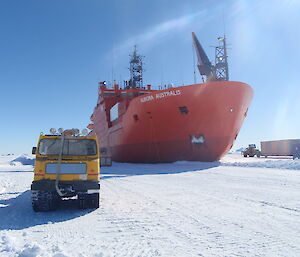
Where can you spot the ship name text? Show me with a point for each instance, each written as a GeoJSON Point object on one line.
{"type": "Point", "coordinates": [160, 95]}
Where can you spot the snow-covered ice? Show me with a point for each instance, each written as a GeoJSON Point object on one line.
{"type": "Point", "coordinates": [12, 163]}
{"type": "Point", "coordinates": [236, 207]}
{"type": "Point", "coordinates": [24, 159]}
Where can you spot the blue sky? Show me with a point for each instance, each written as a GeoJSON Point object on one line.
{"type": "Point", "coordinates": [52, 53]}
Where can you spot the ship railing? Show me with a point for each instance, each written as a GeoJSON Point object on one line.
{"type": "Point", "coordinates": [158, 87]}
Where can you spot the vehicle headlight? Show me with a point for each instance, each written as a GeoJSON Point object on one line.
{"type": "Point", "coordinates": [84, 132]}
{"type": "Point", "coordinates": [52, 131]}
{"type": "Point", "coordinates": [75, 131]}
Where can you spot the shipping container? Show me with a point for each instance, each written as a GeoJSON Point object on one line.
{"type": "Point", "coordinates": [279, 147]}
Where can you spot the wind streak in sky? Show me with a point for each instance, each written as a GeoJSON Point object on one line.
{"type": "Point", "coordinates": [157, 32]}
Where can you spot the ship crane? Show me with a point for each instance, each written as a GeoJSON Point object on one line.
{"type": "Point", "coordinates": [216, 72]}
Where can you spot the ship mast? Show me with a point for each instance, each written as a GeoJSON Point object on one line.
{"type": "Point", "coordinates": [221, 66]}
{"type": "Point", "coordinates": [136, 70]}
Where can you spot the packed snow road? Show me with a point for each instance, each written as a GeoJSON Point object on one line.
{"type": "Point", "coordinates": [179, 209]}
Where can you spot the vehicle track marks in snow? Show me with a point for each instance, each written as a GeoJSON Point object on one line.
{"type": "Point", "coordinates": [221, 211]}
{"type": "Point", "coordinates": [215, 227]}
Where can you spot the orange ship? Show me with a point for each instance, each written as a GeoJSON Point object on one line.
{"type": "Point", "coordinates": [198, 122]}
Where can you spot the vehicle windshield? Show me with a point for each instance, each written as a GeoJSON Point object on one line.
{"type": "Point", "coordinates": [80, 147]}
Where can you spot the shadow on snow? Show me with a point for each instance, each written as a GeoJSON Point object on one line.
{"type": "Point", "coordinates": [16, 213]}
{"type": "Point", "coordinates": [129, 169]}
{"type": "Point", "coordinates": [20, 171]}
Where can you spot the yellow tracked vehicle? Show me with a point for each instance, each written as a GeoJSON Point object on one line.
{"type": "Point", "coordinates": [67, 165]}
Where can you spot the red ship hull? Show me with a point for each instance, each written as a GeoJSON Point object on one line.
{"type": "Point", "coordinates": [196, 123]}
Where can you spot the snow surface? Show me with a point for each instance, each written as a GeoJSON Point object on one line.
{"type": "Point", "coordinates": [21, 163]}
{"type": "Point", "coordinates": [24, 159]}
{"type": "Point", "coordinates": [236, 207]}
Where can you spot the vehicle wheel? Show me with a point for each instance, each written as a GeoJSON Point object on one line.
{"type": "Point", "coordinates": [245, 155]}
{"type": "Point", "coordinates": [44, 200]}
{"type": "Point", "coordinates": [258, 155]}
{"type": "Point", "coordinates": [88, 201]}
{"type": "Point", "coordinates": [95, 200]}
{"type": "Point", "coordinates": [81, 201]}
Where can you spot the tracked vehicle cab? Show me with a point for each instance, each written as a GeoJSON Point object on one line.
{"type": "Point", "coordinates": [67, 165]}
